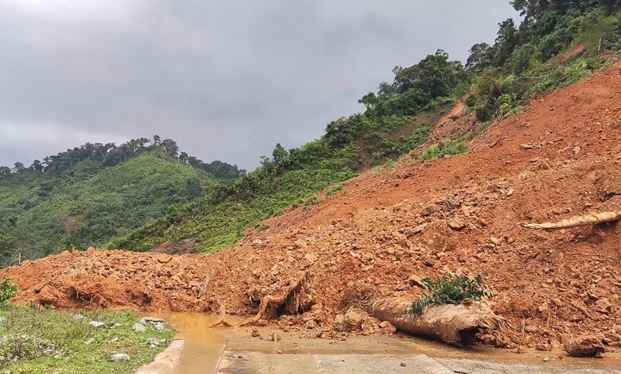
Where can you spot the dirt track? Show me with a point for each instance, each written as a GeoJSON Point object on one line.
{"type": "Point", "coordinates": [560, 157]}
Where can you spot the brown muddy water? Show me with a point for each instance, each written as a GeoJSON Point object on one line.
{"type": "Point", "coordinates": [202, 345]}
{"type": "Point", "coordinates": [234, 350]}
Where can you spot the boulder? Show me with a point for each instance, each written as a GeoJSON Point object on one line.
{"type": "Point", "coordinates": [353, 319]}
{"type": "Point", "coordinates": [585, 346]}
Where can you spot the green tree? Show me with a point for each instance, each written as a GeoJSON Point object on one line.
{"type": "Point", "coordinates": [280, 156]}
{"type": "Point", "coordinates": [478, 56]}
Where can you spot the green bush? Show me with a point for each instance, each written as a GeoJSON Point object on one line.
{"type": "Point", "coordinates": [450, 289]}
{"type": "Point", "coordinates": [8, 289]}
{"type": "Point", "coordinates": [448, 147]}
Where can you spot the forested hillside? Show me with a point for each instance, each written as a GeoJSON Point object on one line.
{"type": "Point", "coordinates": [558, 43]}
{"type": "Point", "coordinates": [86, 195]}
{"type": "Point", "coordinates": [143, 193]}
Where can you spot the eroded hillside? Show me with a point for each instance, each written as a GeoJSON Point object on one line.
{"type": "Point", "coordinates": [558, 158]}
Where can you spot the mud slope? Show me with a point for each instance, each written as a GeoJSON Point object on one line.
{"type": "Point", "coordinates": [559, 158]}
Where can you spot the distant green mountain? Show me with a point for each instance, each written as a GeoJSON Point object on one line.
{"type": "Point", "coordinates": [89, 199]}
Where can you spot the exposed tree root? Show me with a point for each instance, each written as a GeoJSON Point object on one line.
{"type": "Point", "coordinates": [221, 316]}
{"type": "Point", "coordinates": [270, 304]}
{"type": "Point", "coordinates": [588, 219]}
{"type": "Point", "coordinates": [452, 324]}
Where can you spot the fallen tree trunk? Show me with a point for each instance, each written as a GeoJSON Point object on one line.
{"type": "Point", "coordinates": [452, 324]}
{"type": "Point", "coordinates": [588, 219]}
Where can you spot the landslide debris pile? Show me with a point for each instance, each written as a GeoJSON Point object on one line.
{"type": "Point", "coordinates": [559, 158]}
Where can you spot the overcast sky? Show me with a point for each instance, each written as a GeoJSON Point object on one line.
{"type": "Point", "coordinates": [227, 79]}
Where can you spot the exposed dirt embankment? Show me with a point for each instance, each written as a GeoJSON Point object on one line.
{"type": "Point", "coordinates": [561, 157]}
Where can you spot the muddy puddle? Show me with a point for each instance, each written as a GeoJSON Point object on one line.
{"type": "Point", "coordinates": [202, 345]}
{"type": "Point", "coordinates": [235, 350]}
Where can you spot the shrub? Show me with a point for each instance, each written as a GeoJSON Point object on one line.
{"type": "Point", "coordinates": [8, 289]}
{"type": "Point", "coordinates": [450, 289]}
{"type": "Point", "coordinates": [448, 147]}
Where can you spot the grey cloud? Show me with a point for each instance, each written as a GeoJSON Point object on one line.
{"type": "Point", "coordinates": [227, 79]}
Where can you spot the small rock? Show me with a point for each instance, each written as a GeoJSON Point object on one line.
{"type": "Point", "coordinates": [2, 319]}
{"type": "Point", "coordinates": [415, 280]}
{"type": "Point", "coordinates": [255, 333]}
{"type": "Point", "coordinates": [403, 364]}
{"type": "Point", "coordinates": [585, 346]}
{"type": "Point", "coordinates": [405, 175]}
{"type": "Point", "coordinates": [546, 359]}
{"type": "Point", "coordinates": [531, 329]}
{"type": "Point", "coordinates": [387, 328]}
{"type": "Point", "coordinates": [520, 350]}
{"type": "Point", "coordinates": [603, 306]}
{"type": "Point", "coordinates": [275, 337]}
{"type": "Point", "coordinates": [146, 320]}
{"type": "Point", "coordinates": [153, 342]}
{"type": "Point", "coordinates": [119, 357]}
{"type": "Point", "coordinates": [159, 326]}
{"type": "Point", "coordinates": [138, 327]}
{"type": "Point", "coordinates": [97, 324]}
{"type": "Point", "coordinates": [311, 324]}
{"type": "Point", "coordinates": [456, 224]}
{"type": "Point", "coordinates": [339, 322]}
{"type": "Point", "coordinates": [78, 317]}
{"type": "Point", "coordinates": [418, 229]}
{"type": "Point", "coordinates": [279, 351]}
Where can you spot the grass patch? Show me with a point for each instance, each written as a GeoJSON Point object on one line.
{"type": "Point", "coordinates": [33, 340]}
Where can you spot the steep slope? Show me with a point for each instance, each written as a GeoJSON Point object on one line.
{"type": "Point", "coordinates": [44, 213]}
{"type": "Point", "coordinates": [556, 159]}
{"type": "Point", "coordinates": [292, 178]}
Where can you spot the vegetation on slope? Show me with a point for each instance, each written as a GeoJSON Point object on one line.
{"type": "Point", "coordinates": [290, 177]}
{"type": "Point", "coordinates": [85, 196]}
{"type": "Point", "coordinates": [496, 81]}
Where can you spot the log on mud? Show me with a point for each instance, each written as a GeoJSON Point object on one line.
{"type": "Point", "coordinates": [451, 324]}
{"type": "Point", "coordinates": [585, 220]}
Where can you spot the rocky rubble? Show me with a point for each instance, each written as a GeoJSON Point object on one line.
{"type": "Point", "coordinates": [460, 214]}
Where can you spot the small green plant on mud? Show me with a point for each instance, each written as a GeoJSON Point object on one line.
{"type": "Point", "coordinates": [448, 147]}
{"type": "Point", "coordinates": [8, 289]}
{"type": "Point", "coordinates": [450, 289]}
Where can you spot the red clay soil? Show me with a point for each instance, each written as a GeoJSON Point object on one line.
{"type": "Point", "coordinates": [559, 158]}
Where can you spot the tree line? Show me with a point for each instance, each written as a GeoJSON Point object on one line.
{"type": "Point", "coordinates": [110, 154]}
